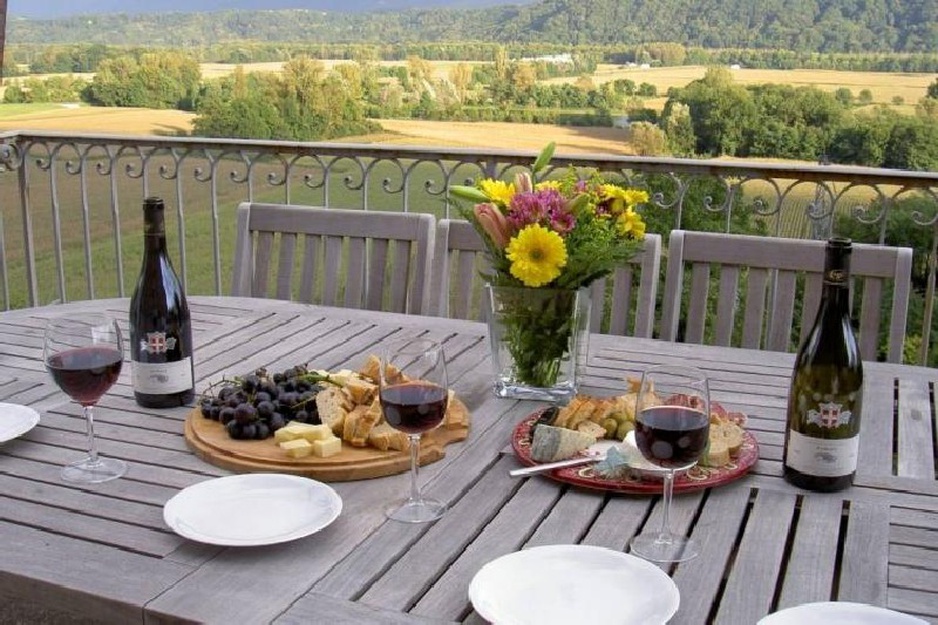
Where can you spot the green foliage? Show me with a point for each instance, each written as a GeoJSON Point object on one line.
{"type": "Point", "coordinates": [158, 80]}
{"type": "Point", "coordinates": [901, 230]}
{"type": "Point", "coordinates": [932, 91]}
{"type": "Point", "coordinates": [781, 121]}
{"type": "Point", "coordinates": [778, 27]}
{"type": "Point", "coordinates": [304, 103]}
{"type": "Point", "coordinates": [720, 111]}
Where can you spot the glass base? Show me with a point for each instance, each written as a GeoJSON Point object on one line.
{"type": "Point", "coordinates": [670, 548]}
{"type": "Point", "coordinates": [416, 510]}
{"type": "Point", "coordinates": [88, 472]}
{"type": "Point", "coordinates": [560, 394]}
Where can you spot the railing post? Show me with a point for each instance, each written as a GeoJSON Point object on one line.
{"type": "Point", "coordinates": [32, 282]}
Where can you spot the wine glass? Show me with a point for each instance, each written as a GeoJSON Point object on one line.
{"type": "Point", "coordinates": [672, 426]}
{"type": "Point", "coordinates": [84, 354]}
{"type": "Point", "coordinates": [413, 392]}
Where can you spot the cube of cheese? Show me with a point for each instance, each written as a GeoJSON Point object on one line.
{"type": "Point", "coordinates": [314, 433]}
{"type": "Point", "coordinates": [327, 447]}
{"type": "Point", "coordinates": [298, 448]}
{"type": "Point", "coordinates": [286, 433]}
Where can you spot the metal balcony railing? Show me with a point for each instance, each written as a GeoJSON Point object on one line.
{"type": "Point", "coordinates": [70, 215]}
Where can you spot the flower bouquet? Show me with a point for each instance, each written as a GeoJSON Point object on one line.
{"type": "Point", "coordinates": [546, 241]}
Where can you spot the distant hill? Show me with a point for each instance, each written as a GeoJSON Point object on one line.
{"type": "Point", "coordinates": [828, 26]}
{"type": "Point", "coordinates": [48, 9]}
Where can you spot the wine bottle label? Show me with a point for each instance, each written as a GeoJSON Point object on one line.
{"type": "Point", "coordinates": [162, 378]}
{"type": "Point", "coordinates": [823, 457]}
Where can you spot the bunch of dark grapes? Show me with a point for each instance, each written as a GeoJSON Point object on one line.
{"type": "Point", "coordinates": [258, 404]}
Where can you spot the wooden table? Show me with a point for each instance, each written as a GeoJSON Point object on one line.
{"type": "Point", "coordinates": [104, 553]}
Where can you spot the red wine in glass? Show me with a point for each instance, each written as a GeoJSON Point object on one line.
{"type": "Point", "coordinates": [413, 407]}
{"type": "Point", "coordinates": [84, 354]}
{"type": "Point", "coordinates": [413, 391]}
{"type": "Point", "coordinates": [672, 427]}
{"type": "Point", "coordinates": [672, 436]}
{"type": "Point", "coordinates": [86, 373]}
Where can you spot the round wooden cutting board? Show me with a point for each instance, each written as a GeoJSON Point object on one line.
{"type": "Point", "coordinates": [209, 440]}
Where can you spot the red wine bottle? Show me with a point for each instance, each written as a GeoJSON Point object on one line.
{"type": "Point", "coordinates": [160, 327]}
{"type": "Point", "coordinates": [823, 433]}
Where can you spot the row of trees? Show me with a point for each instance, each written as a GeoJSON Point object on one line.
{"type": "Point", "coordinates": [85, 57]}
{"type": "Point", "coordinates": [802, 25]}
{"type": "Point", "coordinates": [716, 116]}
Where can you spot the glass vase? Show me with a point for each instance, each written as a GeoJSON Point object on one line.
{"type": "Point", "coordinates": [539, 338]}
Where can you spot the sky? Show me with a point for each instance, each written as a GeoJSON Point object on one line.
{"type": "Point", "coordinates": [45, 9]}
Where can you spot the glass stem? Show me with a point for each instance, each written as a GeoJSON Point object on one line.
{"type": "Point", "coordinates": [89, 423]}
{"type": "Point", "coordinates": [664, 532]}
{"type": "Point", "coordinates": [414, 461]}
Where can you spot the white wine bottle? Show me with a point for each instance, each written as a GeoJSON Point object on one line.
{"type": "Point", "coordinates": [160, 326]}
{"type": "Point", "coordinates": [823, 435]}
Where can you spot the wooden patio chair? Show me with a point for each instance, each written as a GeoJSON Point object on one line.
{"type": "Point", "coordinates": [459, 264]}
{"type": "Point", "coordinates": [762, 277]}
{"type": "Point", "coordinates": [335, 257]}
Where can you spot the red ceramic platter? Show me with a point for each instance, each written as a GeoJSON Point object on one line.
{"type": "Point", "coordinates": [634, 482]}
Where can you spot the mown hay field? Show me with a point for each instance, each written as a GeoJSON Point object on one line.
{"type": "Point", "coordinates": [883, 86]}
{"type": "Point", "coordinates": [499, 136]}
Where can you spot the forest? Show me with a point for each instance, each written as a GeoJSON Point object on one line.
{"type": "Point", "coordinates": [817, 26]}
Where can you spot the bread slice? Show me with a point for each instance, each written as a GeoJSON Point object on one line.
{"type": "Point", "coordinates": [361, 391]}
{"type": "Point", "coordinates": [731, 434]}
{"type": "Point", "coordinates": [592, 429]}
{"type": "Point", "coordinates": [717, 452]}
{"type": "Point", "coordinates": [566, 412]}
{"type": "Point", "coordinates": [551, 443]}
{"type": "Point", "coordinates": [371, 370]}
{"type": "Point", "coordinates": [457, 415]}
{"type": "Point", "coordinates": [333, 406]}
{"type": "Point", "coordinates": [384, 437]}
{"type": "Point", "coordinates": [359, 423]}
{"type": "Point", "coordinates": [583, 413]}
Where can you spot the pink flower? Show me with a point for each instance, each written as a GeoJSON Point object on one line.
{"type": "Point", "coordinates": [523, 183]}
{"type": "Point", "coordinates": [494, 224]}
{"type": "Point", "coordinates": [546, 206]}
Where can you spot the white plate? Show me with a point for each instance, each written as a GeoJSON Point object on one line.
{"type": "Point", "coordinates": [252, 509]}
{"type": "Point", "coordinates": [16, 420]}
{"type": "Point", "coordinates": [567, 584]}
{"type": "Point", "coordinates": [839, 613]}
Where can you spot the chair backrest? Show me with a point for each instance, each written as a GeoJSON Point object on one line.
{"type": "Point", "coordinates": [460, 262]}
{"type": "Point", "coordinates": [336, 257]}
{"type": "Point", "coordinates": [762, 277]}
{"type": "Point", "coordinates": [629, 310]}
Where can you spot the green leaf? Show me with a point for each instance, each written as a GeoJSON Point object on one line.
{"type": "Point", "coordinates": [544, 157]}
{"type": "Point", "coordinates": [471, 194]}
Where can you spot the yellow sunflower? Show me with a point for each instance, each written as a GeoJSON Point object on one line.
{"type": "Point", "coordinates": [631, 224]}
{"type": "Point", "coordinates": [634, 197]}
{"type": "Point", "coordinates": [537, 255]}
{"type": "Point", "coordinates": [498, 191]}
{"type": "Point", "coordinates": [549, 184]}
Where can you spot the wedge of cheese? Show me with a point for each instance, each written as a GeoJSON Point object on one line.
{"type": "Point", "coordinates": [327, 447]}
{"type": "Point", "coordinates": [297, 448]}
{"type": "Point", "coordinates": [550, 443]}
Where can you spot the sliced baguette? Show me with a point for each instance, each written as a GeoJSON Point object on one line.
{"type": "Point", "coordinates": [361, 391]}
{"type": "Point", "coordinates": [333, 406]}
{"type": "Point", "coordinates": [717, 452]}
{"type": "Point", "coordinates": [384, 437]}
